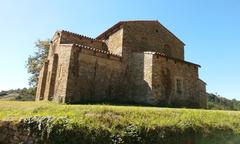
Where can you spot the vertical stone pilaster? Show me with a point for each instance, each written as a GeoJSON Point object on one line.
{"type": "Point", "coordinates": [42, 82]}
{"type": "Point", "coordinates": [53, 77]}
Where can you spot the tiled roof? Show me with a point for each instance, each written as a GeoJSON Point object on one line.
{"type": "Point", "coordinates": [176, 59]}
{"type": "Point", "coordinates": [78, 35]}
{"type": "Point", "coordinates": [96, 50]}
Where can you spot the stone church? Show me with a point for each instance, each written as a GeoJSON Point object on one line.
{"type": "Point", "coordinates": [134, 62]}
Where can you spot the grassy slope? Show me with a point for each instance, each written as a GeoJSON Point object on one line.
{"type": "Point", "coordinates": [101, 115]}
{"type": "Point", "coordinates": [114, 118]}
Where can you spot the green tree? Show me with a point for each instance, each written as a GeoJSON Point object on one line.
{"type": "Point", "coordinates": [36, 61]}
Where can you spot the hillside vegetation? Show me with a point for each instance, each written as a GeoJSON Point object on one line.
{"type": "Point", "coordinates": [25, 94]}
{"type": "Point", "coordinates": [57, 123]}
{"type": "Point", "coordinates": [220, 103]}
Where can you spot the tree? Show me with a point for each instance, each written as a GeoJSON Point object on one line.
{"type": "Point", "coordinates": [36, 61]}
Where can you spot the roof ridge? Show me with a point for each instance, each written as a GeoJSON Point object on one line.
{"type": "Point", "coordinates": [120, 23]}
{"type": "Point", "coordinates": [129, 21]}
{"type": "Point", "coordinates": [95, 49]}
{"type": "Point", "coordinates": [79, 35]}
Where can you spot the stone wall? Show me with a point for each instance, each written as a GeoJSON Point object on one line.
{"type": "Point", "coordinates": [202, 94]}
{"type": "Point", "coordinates": [13, 133]}
{"type": "Point", "coordinates": [41, 84]}
{"type": "Point", "coordinates": [93, 76]}
{"type": "Point", "coordinates": [151, 36]}
{"type": "Point", "coordinates": [141, 77]}
{"type": "Point", "coordinates": [159, 80]}
{"type": "Point", "coordinates": [115, 42]}
{"type": "Point", "coordinates": [175, 82]}
{"type": "Point", "coordinates": [53, 80]}
{"type": "Point", "coordinates": [62, 74]}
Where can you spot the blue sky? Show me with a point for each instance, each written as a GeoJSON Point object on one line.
{"type": "Point", "coordinates": [209, 28]}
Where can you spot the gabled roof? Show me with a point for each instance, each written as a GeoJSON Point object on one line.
{"type": "Point", "coordinates": [118, 25]}
{"type": "Point", "coordinates": [78, 35]}
{"type": "Point", "coordinates": [95, 49]}
{"type": "Point", "coordinates": [59, 32]}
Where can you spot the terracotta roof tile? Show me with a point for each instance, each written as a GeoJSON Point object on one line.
{"type": "Point", "coordinates": [97, 50]}
{"type": "Point", "coordinates": [78, 35]}
{"type": "Point", "coordinates": [166, 56]}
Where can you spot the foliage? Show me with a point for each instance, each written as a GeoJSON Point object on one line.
{"type": "Point", "coordinates": [36, 61]}
{"type": "Point", "coordinates": [217, 102]}
{"type": "Point", "coordinates": [3, 93]}
{"type": "Point", "coordinates": [25, 94]}
{"type": "Point", "coordinates": [55, 123]}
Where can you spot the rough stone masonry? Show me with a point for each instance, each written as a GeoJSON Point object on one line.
{"type": "Point", "coordinates": [138, 62]}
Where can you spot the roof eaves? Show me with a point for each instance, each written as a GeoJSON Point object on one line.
{"type": "Point", "coordinates": [95, 49]}
{"type": "Point", "coordinates": [164, 55]}
{"type": "Point", "coordinates": [78, 35]}
{"type": "Point", "coordinates": [116, 26]}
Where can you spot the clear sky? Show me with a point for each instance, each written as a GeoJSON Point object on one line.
{"type": "Point", "coordinates": [209, 28]}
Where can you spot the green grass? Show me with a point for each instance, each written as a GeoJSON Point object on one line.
{"type": "Point", "coordinates": [105, 114]}
{"type": "Point", "coordinates": [116, 119]}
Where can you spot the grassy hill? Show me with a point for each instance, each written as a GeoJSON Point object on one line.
{"type": "Point", "coordinates": [105, 124]}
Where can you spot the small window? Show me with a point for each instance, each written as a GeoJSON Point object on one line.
{"type": "Point", "coordinates": [167, 49]}
{"type": "Point", "coordinates": [156, 30]}
{"type": "Point", "coordinates": [179, 86]}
